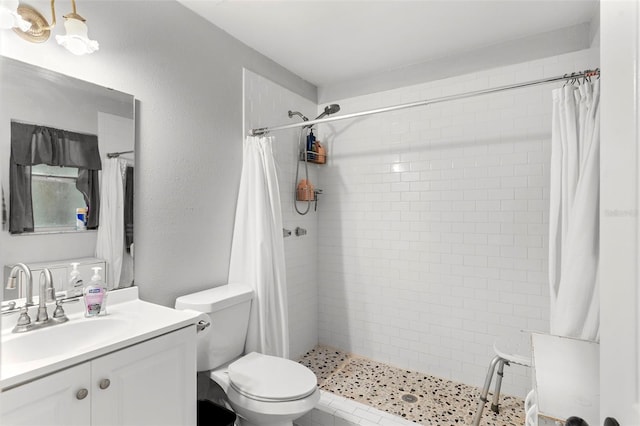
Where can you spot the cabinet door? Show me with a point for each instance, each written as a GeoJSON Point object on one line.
{"type": "Point", "coordinates": [152, 383]}
{"type": "Point", "coordinates": [55, 400]}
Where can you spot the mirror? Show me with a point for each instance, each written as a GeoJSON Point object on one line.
{"type": "Point", "coordinates": [37, 96]}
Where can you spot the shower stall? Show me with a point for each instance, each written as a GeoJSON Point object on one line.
{"type": "Point", "coordinates": [431, 241]}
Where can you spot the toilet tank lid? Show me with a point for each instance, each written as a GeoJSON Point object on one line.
{"type": "Point", "coordinates": [214, 299]}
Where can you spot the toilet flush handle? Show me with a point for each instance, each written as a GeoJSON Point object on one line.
{"type": "Point", "coordinates": [201, 325]}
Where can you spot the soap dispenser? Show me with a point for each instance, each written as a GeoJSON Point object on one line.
{"type": "Point", "coordinates": [75, 281]}
{"type": "Point", "coordinates": [95, 295]}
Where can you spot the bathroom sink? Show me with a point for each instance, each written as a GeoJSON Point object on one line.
{"type": "Point", "coordinates": [61, 339]}
{"type": "Point", "coordinates": [36, 353]}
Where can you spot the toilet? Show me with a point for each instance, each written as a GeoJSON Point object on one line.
{"type": "Point", "coordinates": [263, 390]}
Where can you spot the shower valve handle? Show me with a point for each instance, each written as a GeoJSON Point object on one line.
{"type": "Point", "coordinates": [315, 198]}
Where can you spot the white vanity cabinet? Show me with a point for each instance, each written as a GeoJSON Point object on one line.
{"type": "Point", "coordinates": [152, 383]}
{"type": "Point", "coordinates": [149, 383]}
{"type": "Point", "coordinates": [49, 401]}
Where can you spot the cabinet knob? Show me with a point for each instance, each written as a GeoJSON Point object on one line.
{"type": "Point", "coordinates": [104, 383]}
{"type": "Point", "coordinates": [82, 393]}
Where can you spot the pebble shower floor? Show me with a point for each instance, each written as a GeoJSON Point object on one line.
{"type": "Point", "coordinates": [411, 395]}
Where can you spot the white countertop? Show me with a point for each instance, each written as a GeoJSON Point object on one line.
{"type": "Point", "coordinates": [133, 321]}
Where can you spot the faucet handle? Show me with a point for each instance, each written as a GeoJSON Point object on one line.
{"type": "Point", "coordinates": [24, 321]}
{"type": "Point", "coordinates": [24, 318]}
{"type": "Point", "coordinates": [58, 313]}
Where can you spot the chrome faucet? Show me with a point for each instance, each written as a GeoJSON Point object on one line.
{"type": "Point", "coordinates": [46, 294]}
{"type": "Point", "coordinates": [13, 275]}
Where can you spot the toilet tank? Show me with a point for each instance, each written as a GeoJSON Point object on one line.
{"type": "Point", "coordinates": [229, 307]}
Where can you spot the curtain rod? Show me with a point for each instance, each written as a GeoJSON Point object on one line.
{"type": "Point", "coordinates": [573, 76]}
{"type": "Point", "coordinates": [117, 154]}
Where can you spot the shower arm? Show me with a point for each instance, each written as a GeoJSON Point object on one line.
{"type": "Point", "coordinates": [298, 113]}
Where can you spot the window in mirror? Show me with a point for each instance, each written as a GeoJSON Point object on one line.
{"type": "Point", "coordinates": [55, 197]}
{"type": "Point", "coordinates": [35, 147]}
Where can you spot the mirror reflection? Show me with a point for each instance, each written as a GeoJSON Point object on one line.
{"type": "Point", "coordinates": [67, 177]}
{"type": "Point", "coordinates": [53, 194]}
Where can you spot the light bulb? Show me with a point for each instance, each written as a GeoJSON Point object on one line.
{"type": "Point", "coordinates": [76, 40]}
{"type": "Point", "coordinates": [9, 17]}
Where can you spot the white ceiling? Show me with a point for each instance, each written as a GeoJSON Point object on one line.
{"type": "Point", "coordinates": [326, 42]}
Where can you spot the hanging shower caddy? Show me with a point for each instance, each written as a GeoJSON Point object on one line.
{"type": "Point", "coordinates": [317, 154]}
{"type": "Point", "coordinates": [313, 151]}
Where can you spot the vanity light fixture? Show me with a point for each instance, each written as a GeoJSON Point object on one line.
{"type": "Point", "coordinates": [9, 17]}
{"type": "Point", "coordinates": [76, 39]}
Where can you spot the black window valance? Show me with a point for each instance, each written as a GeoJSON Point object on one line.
{"type": "Point", "coordinates": [31, 145]}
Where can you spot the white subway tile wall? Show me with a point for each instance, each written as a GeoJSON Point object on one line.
{"type": "Point", "coordinates": [267, 104]}
{"type": "Point", "coordinates": [433, 224]}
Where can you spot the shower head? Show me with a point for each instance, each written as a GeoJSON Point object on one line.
{"type": "Point", "coordinates": [332, 109]}
{"type": "Point", "coordinates": [328, 110]}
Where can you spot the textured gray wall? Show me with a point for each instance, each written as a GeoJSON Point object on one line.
{"type": "Point", "coordinates": [187, 77]}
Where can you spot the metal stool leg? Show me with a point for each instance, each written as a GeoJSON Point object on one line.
{"type": "Point", "coordinates": [485, 390]}
{"type": "Point", "coordinates": [496, 394]}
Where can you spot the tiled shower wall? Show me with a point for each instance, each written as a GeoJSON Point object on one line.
{"type": "Point", "coordinates": [267, 104]}
{"type": "Point", "coordinates": [434, 220]}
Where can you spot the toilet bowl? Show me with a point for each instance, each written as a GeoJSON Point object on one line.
{"type": "Point", "coordinates": [267, 390]}
{"type": "Point", "coordinates": [263, 390]}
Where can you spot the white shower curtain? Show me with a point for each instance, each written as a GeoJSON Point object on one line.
{"type": "Point", "coordinates": [110, 238]}
{"type": "Point", "coordinates": [574, 211]}
{"type": "Point", "coordinates": [257, 251]}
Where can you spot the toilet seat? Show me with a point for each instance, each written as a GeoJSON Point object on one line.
{"type": "Point", "coordinates": [271, 379]}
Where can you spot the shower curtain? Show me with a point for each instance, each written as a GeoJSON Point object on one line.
{"type": "Point", "coordinates": [574, 211]}
{"type": "Point", "coordinates": [110, 238]}
{"type": "Point", "coordinates": [257, 251]}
